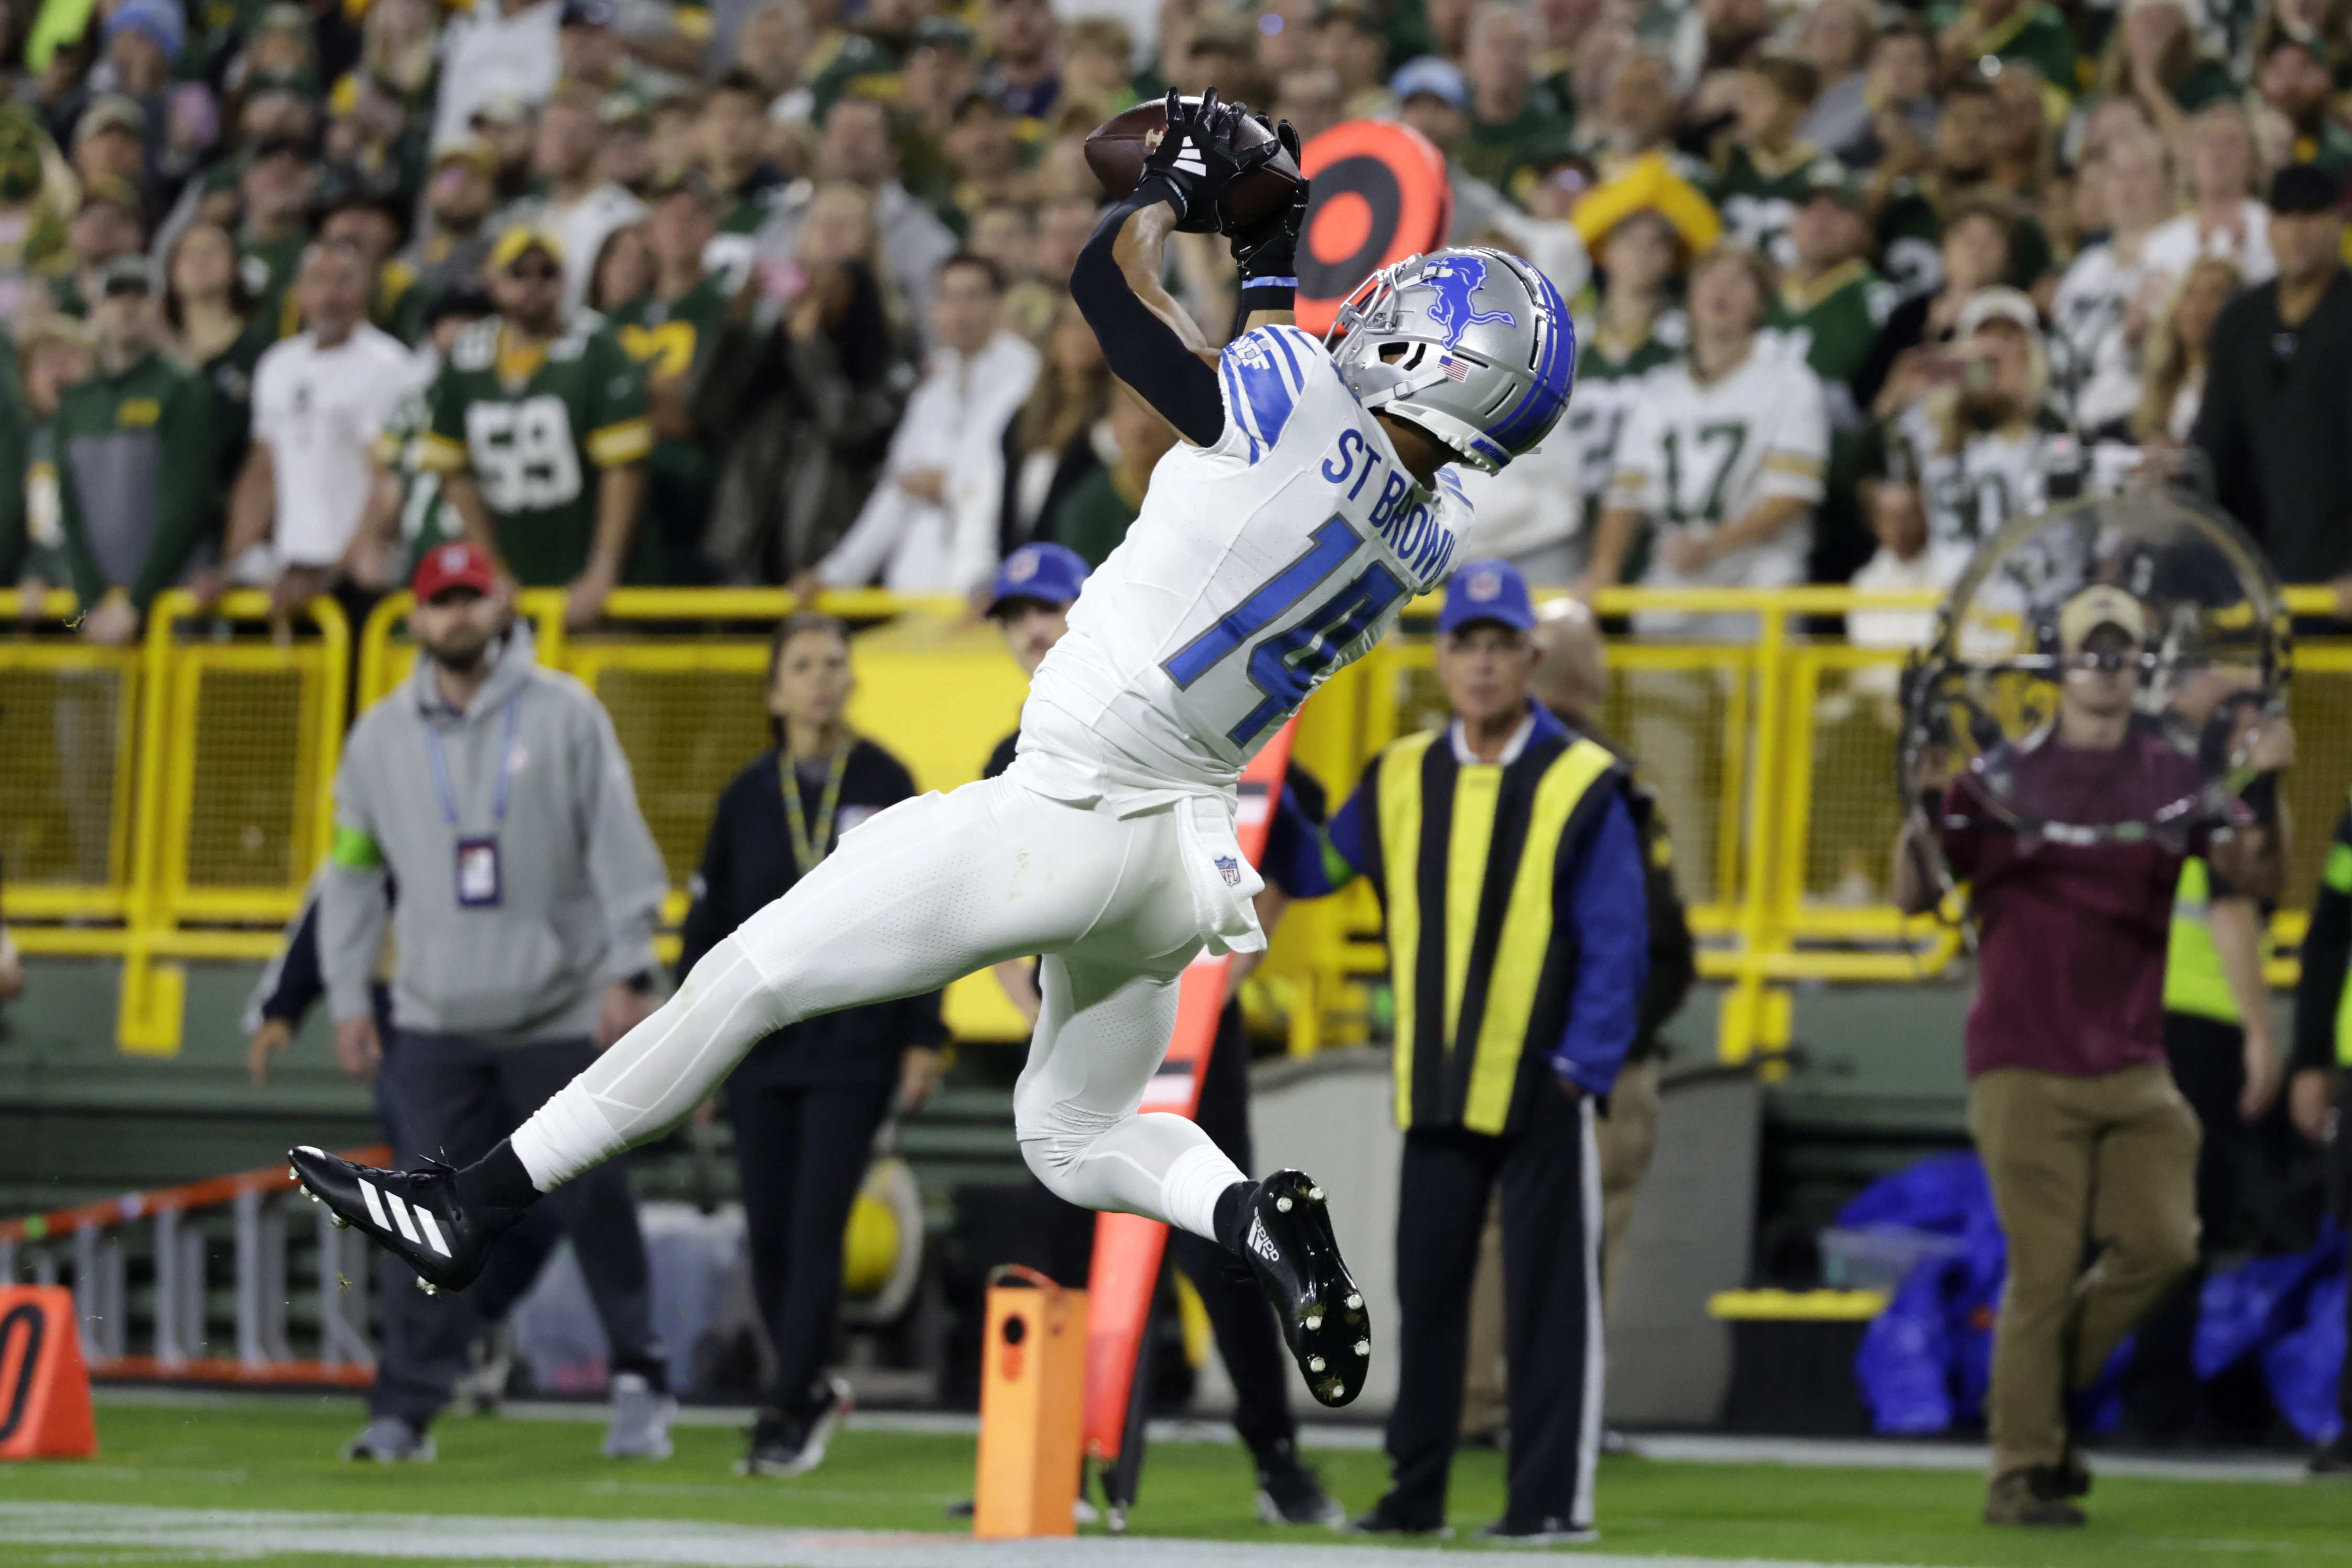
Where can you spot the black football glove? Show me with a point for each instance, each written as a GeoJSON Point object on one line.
{"type": "Point", "coordinates": [1269, 247]}
{"type": "Point", "coordinates": [1194, 161]}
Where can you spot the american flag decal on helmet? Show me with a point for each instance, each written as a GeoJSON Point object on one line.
{"type": "Point", "coordinates": [1456, 370]}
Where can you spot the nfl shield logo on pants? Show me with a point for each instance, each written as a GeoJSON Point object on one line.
{"type": "Point", "coordinates": [1230, 869]}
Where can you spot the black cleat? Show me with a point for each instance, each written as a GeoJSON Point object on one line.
{"type": "Point", "coordinates": [1550, 1531]}
{"type": "Point", "coordinates": [1285, 1235]}
{"type": "Point", "coordinates": [785, 1445]}
{"type": "Point", "coordinates": [417, 1216]}
{"type": "Point", "coordinates": [1290, 1493]}
{"type": "Point", "coordinates": [1388, 1519]}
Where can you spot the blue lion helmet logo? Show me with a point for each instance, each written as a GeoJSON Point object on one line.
{"type": "Point", "coordinates": [1456, 281]}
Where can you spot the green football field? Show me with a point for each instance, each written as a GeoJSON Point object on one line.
{"type": "Point", "coordinates": [257, 1480]}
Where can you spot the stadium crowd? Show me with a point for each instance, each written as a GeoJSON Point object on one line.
{"type": "Point", "coordinates": [780, 285]}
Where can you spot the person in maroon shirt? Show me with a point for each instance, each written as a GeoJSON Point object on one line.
{"type": "Point", "coordinates": [2084, 1135]}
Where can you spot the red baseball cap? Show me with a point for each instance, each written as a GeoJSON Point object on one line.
{"type": "Point", "coordinates": [461, 565]}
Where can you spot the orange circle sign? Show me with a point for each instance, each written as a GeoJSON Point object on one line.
{"type": "Point", "coordinates": [1341, 226]}
{"type": "Point", "coordinates": [1381, 194]}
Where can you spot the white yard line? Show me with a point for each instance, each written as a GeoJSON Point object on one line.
{"type": "Point", "coordinates": [224, 1536]}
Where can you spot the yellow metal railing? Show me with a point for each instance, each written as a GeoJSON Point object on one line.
{"type": "Point", "coordinates": [167, 802]}
{"type": "Point", "coordinates": [174, 794]}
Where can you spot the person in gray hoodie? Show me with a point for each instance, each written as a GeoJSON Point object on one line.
{"type": "Point", "coordinates": [495, 792]}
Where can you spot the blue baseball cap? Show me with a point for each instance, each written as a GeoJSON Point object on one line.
{"type": "Point", "coordinates": [1486, 590]}
{"type": "Point", "coordinates": [1433, 75]}
{"type": "Point", "coordinates": [1048, 573]}
{"type": "Point", "coordinates": [163, 25]}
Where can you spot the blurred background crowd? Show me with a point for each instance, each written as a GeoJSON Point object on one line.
{"type": "Point", "coordinates": [773, 291]}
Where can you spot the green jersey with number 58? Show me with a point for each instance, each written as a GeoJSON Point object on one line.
{"type": "Point", "coordinates": [535, 424]}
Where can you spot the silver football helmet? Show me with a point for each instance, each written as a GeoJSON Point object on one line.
{"type": "Point", "coordinates": [1474, 346]}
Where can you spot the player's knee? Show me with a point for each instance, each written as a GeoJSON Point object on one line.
{"type": "Point", "coordinates": [1053, 1159]}
{"type": "Point", "coordinates": [1036, 1109]}
{"type": "Point", "coordinates": [1057, 1137]}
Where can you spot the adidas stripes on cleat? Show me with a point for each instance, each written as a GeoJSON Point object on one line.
{"type": "Point", "coordinates": [1286, 1238]}
{"type": "Point", "coordinates": [417, 1216]}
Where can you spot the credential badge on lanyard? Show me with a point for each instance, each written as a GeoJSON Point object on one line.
{"type": "Point", "coordinates": [480, 883]}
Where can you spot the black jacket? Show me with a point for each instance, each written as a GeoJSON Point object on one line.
{"type": "Point", "coordinates": [2326, 959]}
{"type": "Point", "coordinates": [746, 864]}
{"type": "Point", "coordinates": [292, 982]}
{"type": "Point", "coordinates": [801, 428]}
{"type": "Point", "coordinates": [1905, 327]}
{"type": "Point", "coordinates": [1078, 460]}
{"type": "Point", "coordinates": [2275, 423]}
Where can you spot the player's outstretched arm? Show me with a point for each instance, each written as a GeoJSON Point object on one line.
{"type": "Point", "coordinates": [1148, 339]}
{"type": "Point", "coordinates": [1139, 249]}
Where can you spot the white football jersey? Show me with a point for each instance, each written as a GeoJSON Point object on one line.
{"type": "Point", "coordinates": [1970, 493]}
{"type": "Point", "coordinates": [1695, 455]}
{"type": "Point", "coordinates": [1258, 565]}
{"type": "Point", "coordinates": [2092, 356]}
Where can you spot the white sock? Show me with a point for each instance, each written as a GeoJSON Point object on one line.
{"type": "Point", "coordinates": [1189, 1192]}
{"type": "Point", "coordinates": [565, 1136]}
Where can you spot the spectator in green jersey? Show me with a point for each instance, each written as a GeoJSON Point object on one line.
{"type": "Point", "coordinates": [1517, 125]}
{"type": "Point", "coordinates": [136, 487]}
{"type": "Point", "coordinates": [1761, 168]}
{"type": "Point", "coordinates": [539, 426]}
{"type": "Point", "coordinates": [2001, 30]}
{"type": "Point", "coordinates": [53, 354]}
{"type": "Point", "coordinates": [671, 329]}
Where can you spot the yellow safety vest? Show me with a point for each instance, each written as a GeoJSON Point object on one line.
{"type": "Point", "coordinates": [1467, 857]}
{"type": "Point", "coordinates": [2193, 978]}
{"type": "Point", "coordinates": [2335, 873]}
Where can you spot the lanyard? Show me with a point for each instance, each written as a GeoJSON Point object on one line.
{"type": "Point", "coordinates": [447, 792]}
{"type": "Point", "coordinates": [808, 851]}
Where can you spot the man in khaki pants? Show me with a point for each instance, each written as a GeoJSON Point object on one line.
{"type": "Point", "coordinates": [2084, 1136]}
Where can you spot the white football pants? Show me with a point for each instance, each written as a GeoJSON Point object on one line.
{"type": "Point", "coordinates": [923, 893]}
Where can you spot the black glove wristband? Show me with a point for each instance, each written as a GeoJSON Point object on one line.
{"type": "Point", "coordinates": [1273, 261]}
{"type": "Point", "coordinates": [1279, 294]}
{"type": "Point", "coordinates": [1269, 273]}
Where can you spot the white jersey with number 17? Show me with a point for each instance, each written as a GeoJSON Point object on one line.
{"type": "Point", "coordinates": [1258, 565]}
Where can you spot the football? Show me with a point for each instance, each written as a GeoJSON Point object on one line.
{"type": "Point", "coordinates": [1117, 148]}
